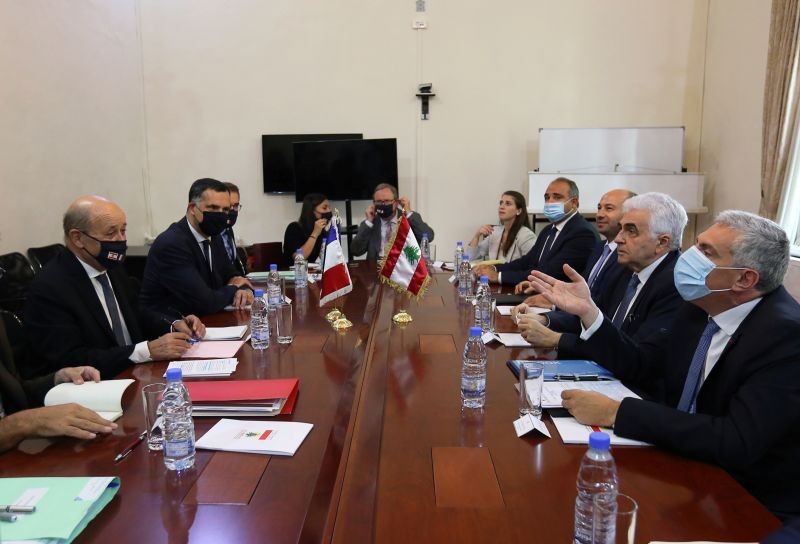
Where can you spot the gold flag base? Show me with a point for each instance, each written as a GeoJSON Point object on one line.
{"type": "Point", "coordinates": [342, 323]}
{"type": "Point", "coordinates": [402, 317]}
{"type": "Point", "coordinates": [333, 315]}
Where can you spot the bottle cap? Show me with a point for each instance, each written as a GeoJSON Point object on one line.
{"type": "Point", "coordinates": [174, 374]}
{"type": "Point", "coordinates": [258, 292]}
{"type": "Point", "coordinates": [599, 441]}
{"type": "Point", "coordinates": [475, 331]}
{"type": "Point", "coordinates": [484, 279]}
{"type": "Point", "coordinates": [459, 244]}
{"type": "Point", "coordinates": [300, 251]}
{"type": "Point", "coordinates": [465, 257]}
{"type": "Point", "coordinates": [273, 267]}
{"type": "Point", "coordinates": [425, 235]}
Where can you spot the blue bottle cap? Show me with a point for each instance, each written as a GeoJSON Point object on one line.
{"type": "Point", "coordinates": [174, 374]}
{"type": "Point", "coordinates": [475, 331]}
{"type": "Point", "coordinates": [258, 292]}
{"type": "Point", "coordinates": [425, 235]}
{"type": "Point", "coordinates": [465, 257]}
{"type": "Point", "coordinates": [273, 267]}
{"type": "Point", "coordinates": [484, 279]}
{"type": "Point", "coordinates": [300, 251]}
{"type": "Point", "coordinates": [459, 243]}
{"type": "Point", "coordinates": [599, 441]}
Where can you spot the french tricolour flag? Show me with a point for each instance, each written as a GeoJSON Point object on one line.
{"type": "Point", "coordinates": [335, 275]}
{"type": "Point", "coordinates": [404, 268]}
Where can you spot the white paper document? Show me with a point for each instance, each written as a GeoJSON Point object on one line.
{"type": "Point", "coordinates": [551, 391]}
{"type": "Point", "coordinates": [225, 333]}
{"type": "Point", "coordinates": [573, 432]}
{"type": "Point", "coordinates": [508, 339]}
{"type": "Point", "coordinates": [104, 397]}
{"type": "Point", "coordinates": [528, 423]}
{"type": "Point", "coordinates": [205, 368]}
{"type": "Point", "coordinates": [265, 437]}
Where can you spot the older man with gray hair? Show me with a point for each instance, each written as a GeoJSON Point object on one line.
{"type": "Point", "coordinates": [730, 363]}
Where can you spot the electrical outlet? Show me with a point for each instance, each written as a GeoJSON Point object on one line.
{"type": "Point", "coordinates": [419, 25]}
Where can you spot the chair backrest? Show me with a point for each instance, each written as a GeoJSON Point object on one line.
{"type": "Point", "coordinates": [265, 254]}
{"type": "Point", "coordinates": [14, 285]}
{"type": "Point", "coordinates": [39, 256]}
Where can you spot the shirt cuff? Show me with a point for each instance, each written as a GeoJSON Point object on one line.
{"type": "Point", "coordinates": [587, 333]}
{"type": "Point", "coordinates": [141, 353]}
{"type": "Point", "coordinates": [409, 214]}
{"type": "Point", "coordinates": [499, 277]}
{"type": "Point", "coordinates": [368, 222]}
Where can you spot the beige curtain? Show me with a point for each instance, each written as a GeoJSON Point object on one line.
{"type": "Point", "coordinates": [780, 104]}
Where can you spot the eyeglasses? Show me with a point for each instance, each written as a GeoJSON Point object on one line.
{"type": "Point", "coordinates": [237, 207]}
{"type": "Point", "coordinates": [383, 202]}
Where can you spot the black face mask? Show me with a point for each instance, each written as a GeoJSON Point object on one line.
{"type": "Point", "coordinates": [327, 216]}
{"type": "Point", "coordinates": [112, 252]}
{"type": "Point", "coordinates": [214, 223]}
{"type": "Point", "coordinates": [384, 210]}
{"type": "Point", "coordinates": [232, 217]}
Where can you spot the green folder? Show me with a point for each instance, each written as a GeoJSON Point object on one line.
{"type": "Point", "coordinates": [64, 506]}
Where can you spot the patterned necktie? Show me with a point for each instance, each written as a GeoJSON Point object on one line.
{"type": "Point", "coordinates": [688, 402]}
{"type": "Point", "coordinates": [207, 252]}
{"type": "Point", "coordinates": [600, 263]}
{"type": "Point", "coordinates": [113, 310]}
{"type": "Point", "coordinates": [622, 309]}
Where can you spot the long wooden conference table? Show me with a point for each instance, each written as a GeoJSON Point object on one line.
{"type": "Point", "coordinates": [391, 457]}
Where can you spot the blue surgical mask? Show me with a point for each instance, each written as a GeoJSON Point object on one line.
{"type": "Point", "coordinates": [554, 212]}
{"type": "Point", "coordinates": [691, 272]}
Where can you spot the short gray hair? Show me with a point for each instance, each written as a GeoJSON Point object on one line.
{"type": "Point", "coordinates": [78, 216]}
{"type": "Point", "coordinates": [763, 247]}
{"type": "Point", "coordinates": [382, 186]}
{"type": "Point", "coordinates": [667, 216]}
{"type": "Point", "coordinates": [573, 187]}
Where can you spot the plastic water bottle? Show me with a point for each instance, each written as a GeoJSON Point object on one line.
{"type": "Point", "coordinates": [274, 290]}
{"type": "Point", "coordinates": [465, 279]}
{"type": "Point", "coordinates": [459, 254]}
{"type": "Point", "coordinates": [598, 474]}
{"type": "Point", "coordinates": [176, 409]}
{"type": "Point", "coordinates": [259, 323]}
{"type": "Point", "coordinates": [300, 270]}
{"type": "Point", "coordinates": [425, 248]}
{"type": "Point", "coordinates": [473, 371]}
{"type": "Point", "coordinates": [483, 305]}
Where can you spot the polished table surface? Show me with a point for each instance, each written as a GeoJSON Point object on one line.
{"type": "Point", "coordinates": [385, 404]}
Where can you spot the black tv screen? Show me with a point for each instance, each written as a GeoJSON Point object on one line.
{"type": "Point", "coordinates": [344, 170]}
{"type": "Point", "coordinates": [276, 151]}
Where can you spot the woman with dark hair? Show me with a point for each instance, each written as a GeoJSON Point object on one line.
{"type": "Point", "coordinates": [509, 240]}
{"type": "Point", "coordinates": [305, 233]}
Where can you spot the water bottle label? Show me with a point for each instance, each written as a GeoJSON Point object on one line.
{"type": "Point", "coordinates": [177, 448]}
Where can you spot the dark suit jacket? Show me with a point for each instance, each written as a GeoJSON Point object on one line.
{"type": "Point", "coordinates": [572, 247]}
{"type": "Point", "coordinates": [748, 409]}
{"type": "Point", "coordinates": [66, 325]}
{"type": "Point", "coordinates": [177, 278]}
{"type": "Point", "coordinates": [604, 283]}
{"type": "Point", "coordinates": [15, 393]}
{"type": "Point", "coordinates": [237, 263]}
{"type": "Point", "coordinates": [652, 311]}
{"type": "Point", "coordinates": [368, 239]}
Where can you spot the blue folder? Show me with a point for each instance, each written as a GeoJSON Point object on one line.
{"type": "Point", "coordinates": [566, 370]}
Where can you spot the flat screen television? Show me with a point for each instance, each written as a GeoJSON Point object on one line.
{"type": "Point", "coordinates": [276, 152]}
{"type": "Point", "coordinates": [344, 170]}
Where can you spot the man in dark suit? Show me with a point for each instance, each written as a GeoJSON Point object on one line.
{"type": "Point", "coordinates": [730, 362]}
{"type": "Point", "coordinates": [645, 300]}
{"type": "Point", "coordinates": [187, 268]}
{"type": "Point", "coordinates": [228, 238]}
{"type": "Point", "coordinates": [568, 239]}
{"type": "Point", "coordinates": [374, 234]}
{"type": "Point", "coordinates": [80, 307]}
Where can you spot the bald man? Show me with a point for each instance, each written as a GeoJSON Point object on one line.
{"type": "Point", "coordinates": [81, 309]}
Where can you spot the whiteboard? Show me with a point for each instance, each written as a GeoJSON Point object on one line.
{"type": "Point", "coordinates": [642, 150]}
{"type": "Point", "coordinates": [685, 188]}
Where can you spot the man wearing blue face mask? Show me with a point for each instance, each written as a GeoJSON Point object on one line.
{"type": "Point", "coordinates": [81, 307]}
{"type": "Point", "coordinates": [187, 269]}
{"type": "Point", "coordinates": [730, 362]}
{"type": "Point", "coordinates": [375, 232]}
{"type": "Point", "coordinates": [568, 239]}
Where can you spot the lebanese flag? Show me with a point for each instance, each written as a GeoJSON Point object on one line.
{"type": "Point", "coordinates": [403, 267]}
{"type": "Point", "coordinates": [335, 275]}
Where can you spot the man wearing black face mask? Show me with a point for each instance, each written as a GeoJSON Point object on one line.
{"type": "Point", "coordinates": [374, 235]}
{"type": "Point", "coordinates": [187, 268]}
{"type": "Point", "coordinates": [81, 309]}
{"type": "Point", "coordinates": [228, 237]}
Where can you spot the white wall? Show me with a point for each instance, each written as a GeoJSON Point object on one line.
{"type": "Point", "coordinates": [199, 81]}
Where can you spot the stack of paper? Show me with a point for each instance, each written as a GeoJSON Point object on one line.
{"type": "Point", "coordinates": [266, 437]}
{"type": "Point", "coordinates": [573, 432]}
{"type": "Point", "coordinates": [205, 368]}
{"type": "Point", "coordinates": [220, 349]}
{"type": "Point", "coordinates": [104, 397]}
{"type": "Point", "coordinates": [225, 333]}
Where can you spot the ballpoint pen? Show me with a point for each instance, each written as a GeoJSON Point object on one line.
{"type": "Point", "coordinates": [124, 453]}
{"type": "Point", "coordinates": [17, 508]}
{"type": "Point", "coordinates": [5, 516]}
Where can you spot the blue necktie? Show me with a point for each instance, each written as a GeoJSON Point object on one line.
{"type": "Point", "coordinates": [113, 309]}
{"type": "Point", "coordinates": [688, 402]}
{"type": "Point", "coordinates": [600, 263]}
{"type": "Point", "coordinates": [622, 309]}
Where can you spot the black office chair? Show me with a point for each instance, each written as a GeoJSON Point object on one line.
{"type": "Point", "coordinates": [14, 284]}
{"type": "Point", "coordinates": [13, 343]}
{"type": "Point", "coordinates": [39, 256]}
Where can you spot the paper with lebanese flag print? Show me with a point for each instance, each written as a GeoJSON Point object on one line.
{"type": "Point", "coordinates": [265, 437]}
{"type": "Point", "coordinates": [403, 266]}
{"type": "Point", "coordinates": [335, 275]}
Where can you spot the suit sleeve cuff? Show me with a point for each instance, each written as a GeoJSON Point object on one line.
{"type": "Point", "coordinates": [409, 214]}
{"type": "Point", "coordinates": [587, 333]}
{"type": "Point", "coordinates": [368, 223]}
{"type": "Point", "coordinates": [141, 353]}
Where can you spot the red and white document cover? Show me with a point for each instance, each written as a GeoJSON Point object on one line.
{"type": "Point", "coordinates": [265, 437]}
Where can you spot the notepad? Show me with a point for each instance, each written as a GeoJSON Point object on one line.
{"type": "Point", "coordinates": [205, 368]}
{"type": "Point", "coordinates": [220, 349]}
{"type": "Point", "coordinates": [64, 506]}
{"type": "Point", "coordinates": [104, 397]}
{"type": "Point", "coordinates": [225, 333]}
{"type": "Point", "coordinates": [572, 432]}
{"type": "Point", "coordinates": [264, 437]}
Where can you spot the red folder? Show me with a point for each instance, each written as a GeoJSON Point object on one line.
{"type": "Point", "coordinates": [245, 390]}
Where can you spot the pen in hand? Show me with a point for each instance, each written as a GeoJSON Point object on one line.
{"type": "Point", "coordinates": [124, 453]}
